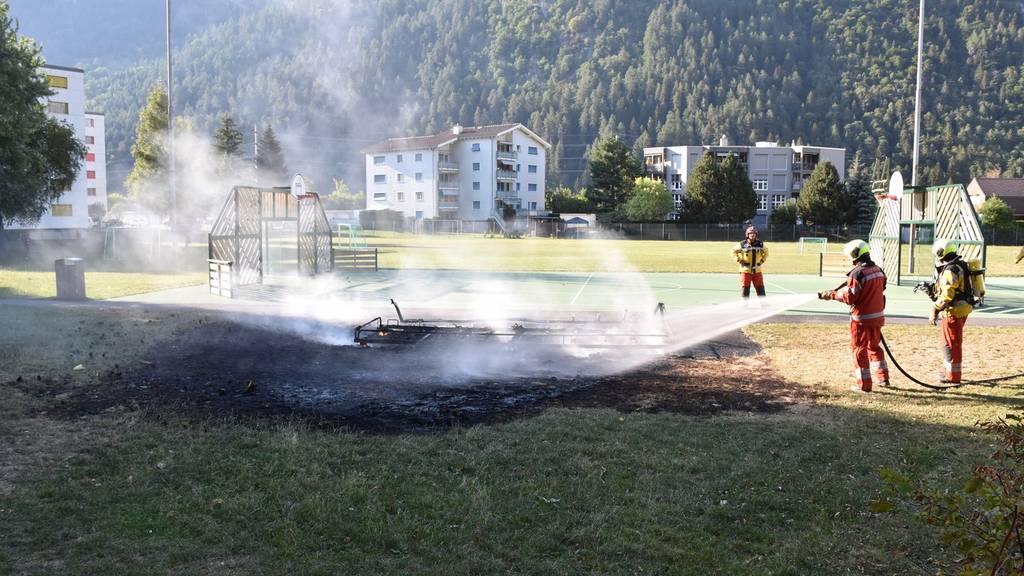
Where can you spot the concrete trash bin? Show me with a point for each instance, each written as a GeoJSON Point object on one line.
{"type": "Point", "coordinates": [70, 278]}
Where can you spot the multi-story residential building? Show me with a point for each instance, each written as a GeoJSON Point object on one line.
{"type": "Point", "coordinates": [462, 173]}
{"type": "Point", "coordinates": [67, 104]}
{"type": "Point", "coordinates": [777, 172]}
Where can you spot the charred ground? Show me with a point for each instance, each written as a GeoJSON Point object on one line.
{"type": "Point", "coordinates": [223, 368]}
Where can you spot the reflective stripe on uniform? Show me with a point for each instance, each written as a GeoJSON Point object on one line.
{"type": "Point", "coordinates": [867, 316]}
{"type": "Point", "coordinates": [880, 365]}
{"type": "Point", "coordinates": [872, 276]}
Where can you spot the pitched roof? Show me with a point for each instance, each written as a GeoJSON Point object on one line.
{"type": "Point", "coordinates": [1002, 187]}
{"type": "Point", "coordinates": [446, 137]}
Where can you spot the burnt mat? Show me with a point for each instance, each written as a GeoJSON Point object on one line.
{"type": "Point", "coordinates": [229, 369]}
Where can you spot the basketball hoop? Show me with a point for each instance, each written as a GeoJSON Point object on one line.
{"type": "Point", "coordinates": [895, 188]}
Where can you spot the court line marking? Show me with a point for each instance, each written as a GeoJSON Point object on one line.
{"type": "Point", "coordinates": [774, 285]}
{"type": "Point", "coordinates": [580, 291]}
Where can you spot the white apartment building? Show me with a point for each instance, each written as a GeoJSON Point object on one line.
{"type": "Point", "coordinates": [67, 104]}
{"type": "Point", "coordinates": [458, 174]}
{"type": "Point", "coordinates": [777, 172]}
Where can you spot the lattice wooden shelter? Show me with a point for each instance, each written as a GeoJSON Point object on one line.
{"type": "Point", "coordinates": [945, 210]}
{"type": "Point", "coordinates": [237, 237]}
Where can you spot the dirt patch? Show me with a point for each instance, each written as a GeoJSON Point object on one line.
{"type": "Point", "coordinates": [230, 369]}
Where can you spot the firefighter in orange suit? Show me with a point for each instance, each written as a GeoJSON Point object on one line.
{"type": "Point", "coordinates": [750, 254]}
{"type": "Point", "coordinates": [864, 292]}
{"type": "Point", "coordinates": [954, 302]}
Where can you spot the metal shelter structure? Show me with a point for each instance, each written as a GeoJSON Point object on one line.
{"type": "Point", "coordinates": [920, 213]}
{"type": "Point", "coordinates": [240, 240]}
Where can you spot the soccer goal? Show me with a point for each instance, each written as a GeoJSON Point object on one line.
{"type": "Point", "coordinates": [820, 245]}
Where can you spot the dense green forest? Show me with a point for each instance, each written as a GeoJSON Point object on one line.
{"type": "Point", "coordinates": [333, 76]}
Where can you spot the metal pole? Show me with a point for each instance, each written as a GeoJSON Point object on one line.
{"type": "Point", "coordinates": [256, 152]}
{"type": "Point", "coordinates": [917, 130]}
{"type": "Point", "coordinates": [170, 120]}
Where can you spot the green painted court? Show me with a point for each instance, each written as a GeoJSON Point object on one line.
{"type": "Point", "coordinates": [451, 289]}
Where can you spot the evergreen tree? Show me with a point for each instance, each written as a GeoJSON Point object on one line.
{"type": "Point", "coordinates": [860, 204]}
{"type": "Point", "coordinates": [147, 182]}
{"type": "Point", "coordinates": [39, 156]}
{"type": "Point", "coordinates": [649, 201]}
{"type": "Point", "coordinates": [739, 201]}
{"type": "Point", "coordinates": [703, 199]}
{"type": "Point", "coordinates": [821, 200]}
{"type": "Point", "coordinates": [270, 159]}
{"type": "Point", "coordinates": [613, 170]}
{"type": "Point", "coordinates": [227, 142]}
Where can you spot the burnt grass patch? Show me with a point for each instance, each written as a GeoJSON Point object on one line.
{"type": "Point", "coordinates": [236, 370]}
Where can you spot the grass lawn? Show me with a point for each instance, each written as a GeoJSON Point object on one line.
{"type": "Point", "coordinates": [549, 255]}
{"type": "Point", "coordinates": [570, 491]}
{"type": "Point", "coordinates": [99, 285]}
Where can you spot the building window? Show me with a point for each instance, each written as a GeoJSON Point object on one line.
{"type": "Point", "coordinates": [518, 187]}
{"type": "Point", "coordinates": [90, 174]}
{"type": "Point", "coordinates": [399, 158]}
{"type": "Point", "coordinates": [90, 122]}
{"type": "Point", "coordinates": [531, 187]}
{"type": "Point", "coordinates": [476, 147]}
{"type": "Point", "coordinates": [378, 160]}
{"type": "Point", "coordinates": [517, 167]}
{"type": "Point", "coordinates": [90, 139]}
{"type": "Point", "coordinates": [476, 166]}
{"type": "Point", "coordinates": [55, 107]}
{"type": "Point", "coordinates": [419, 214]}
{"type": "Point", "coordinates": [399, 178]}
{"type": "Point", "coordinates": [380, 178]}
{"type": "Point", "coordinates": [57, 81]}
{"type": "Point", "coordinates": [380, 196]}
{"type": "Point", "coordinates": [401, 196]}
{"type": "Point", "coordinates": [760, 184]}
{"type": "Point", "coordinates": [419, 156]}
{"type": "Point", "coordinates": [778, 200]}
{"type": "Point", "coordinates": [476, 185]}
{"type": "Point", "coordinates": [90, 156]}
{"type": "Point", "coordinates": [476, 204]}
{"type": "Point", "coordinates": [533, 205]}
{"type": "Point", "coordinates": [532, 168]}
{"type": "Point", "coordinates": [90, 191]}
{"type": "Point", "coordinates": [531, 150]}
{"type": "Point", "coordinates": [61, 210]}
{"type": "Point", "coordinates": [419, 196]}
{"type": "Point", "coordinates": [419, 176]}
{"type": "Point", "coordinates": [762, 202]}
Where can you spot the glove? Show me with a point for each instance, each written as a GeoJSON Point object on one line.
{"type": "Point", "coordinates": [826, 295]}
{"type": "Point", "coordinates": [934, 317]}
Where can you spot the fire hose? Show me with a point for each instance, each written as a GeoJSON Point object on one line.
{"type": "Point", "coordinates": [984, 382]}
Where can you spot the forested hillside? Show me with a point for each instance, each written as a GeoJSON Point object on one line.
{"type": "Point", "coordinates": [333, 76]}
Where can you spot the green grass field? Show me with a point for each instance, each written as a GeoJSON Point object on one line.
{"type": "Point", "coordinates": [569, 491]}
{"type": "Point", "coordinates": [100, 285]}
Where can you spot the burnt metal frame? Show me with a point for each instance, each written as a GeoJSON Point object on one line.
{"type": "Point", "coordinates": [237, 234]}
{"type": "Point", "coordinates": [580, 333]}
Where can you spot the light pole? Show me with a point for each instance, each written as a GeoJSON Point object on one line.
{"type": "Point", "coordinates": [917, 130]}
{"type": "Point", "coordinates": [170, 121]}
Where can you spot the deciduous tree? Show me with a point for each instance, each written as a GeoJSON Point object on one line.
{"type": "Point", "coordinates": [649, 201]}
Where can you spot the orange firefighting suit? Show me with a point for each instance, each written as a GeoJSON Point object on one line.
{"type": "Point", "coordinates": [950, 292]}
{"type": "Point", "coordinates": [751, 256]}
{"type": "Point", "coordinates": [864, 293]}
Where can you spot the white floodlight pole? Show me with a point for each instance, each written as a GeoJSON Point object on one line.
{"type": "Point", "coordinates": [917, 127]}
{"type": "Point", "coordinates": [256, 152]}
{"type": "Point", "coordinates": [170, 121]}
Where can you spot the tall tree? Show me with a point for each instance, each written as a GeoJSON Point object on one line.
{"type": "Point", "coordinates": [703, 202]}
{"type": "Point", "coordinates": [821, 200]}
{"type": "Point", "coordinates": [997, 214]}
{"type": "Point", "coordinates": [649, 201]}
{"type": "Point", "coordinates": [147, 182]}
{"type": "Point", "coordinates": [739, 201]}
{"type": "Point", "coordinates": [270, 158]}
{"type": "Point", "coordinates": [613, 169]}
{"type": "Point", "coordinates": [227, 142]}
{"type": "Point", "coordinates": [39, 156]}
{"type": "Point", "coordinates": [562, 199]}
{"type": "Point", "coordinates": [859, 203]}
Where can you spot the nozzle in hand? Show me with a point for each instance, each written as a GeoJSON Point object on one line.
{"type": "Point", "coordinates": [826, 295]}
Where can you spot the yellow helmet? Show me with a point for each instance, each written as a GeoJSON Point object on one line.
{"type": "Point", "coordinates": [856, 248]}
{"type": "Point", "coordinates": [944, 247]}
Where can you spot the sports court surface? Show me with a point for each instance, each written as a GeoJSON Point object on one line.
{"type": "Point", "coordinates": [566, 291]}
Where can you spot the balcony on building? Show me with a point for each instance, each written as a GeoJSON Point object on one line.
{"type": "Point", "coordinates": [452, 188]}
{"type": "Point", "coordinates": [447, 166]}
{"type": "Point", "coordinates": [506, 174]}
{"type": "Point", "coordinates": [448, 203]}
{"type": "Point", "coordinates": [507, 155]}
{"type": "Point", "coordinates": [507, 196]}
